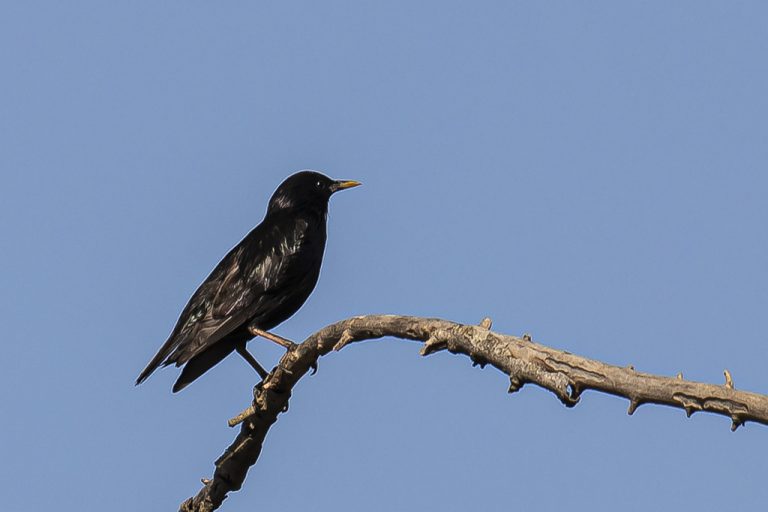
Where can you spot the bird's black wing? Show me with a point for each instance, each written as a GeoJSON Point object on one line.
{"type": "Point", "coordinates": [248, 279]}
{"type": "Point", "coordinates": [195, 318]}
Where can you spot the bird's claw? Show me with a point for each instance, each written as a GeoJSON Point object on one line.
{"type": "Point", "coordinates": [257, 389]}
{"type": "Point", "coordinates": [313, 366]}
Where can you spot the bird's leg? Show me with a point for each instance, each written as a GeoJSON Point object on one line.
{"type": "Point", "coordinates": [252, 361]}
{"type": "Point", "coordinates": [287, 344]}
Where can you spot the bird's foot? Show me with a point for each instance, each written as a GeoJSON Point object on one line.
{"type": "Point", "coordinates": [314, 367]}
{"type": "Point", "coordinates": [252, 361]}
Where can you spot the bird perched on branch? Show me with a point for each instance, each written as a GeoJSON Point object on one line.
{"type": "Point", "coordinates": [259, 284]}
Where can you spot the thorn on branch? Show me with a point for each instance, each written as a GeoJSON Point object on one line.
{"type": "Point", "coordinates": [205, 481]}
{"type": "Point", "coordinates": [728, 380]}
{"type": "Point", "coordinates": [679, 375]}
{"type": "Point", "coordinates": [567, 398]}
{"type": "Point", "coordinates": [633, 405]}
{"type": "Point", "coordinates": [247, 413]}
{"type": "Point", "coordinates": [736, 422]}
{"type": "Point", "coordinates": [432, 345]}
{"type": "Point", "coordinates": [486, 323]}
{"type": "Point", "coordinates": [690, 404]}
{"type": "Point", "coordinates": [574, 391]}
{"type": "Point", "coordinates": [527, 337]}
{"type": "Point", "coordinates": [515, 383]}
{"type": "Point", "coordinates": [631, 367]}
{"type": "Point", "coordinates": [478, 360]}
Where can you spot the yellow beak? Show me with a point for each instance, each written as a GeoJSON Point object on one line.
{"type": "Point", "coordinates": [342, 184]}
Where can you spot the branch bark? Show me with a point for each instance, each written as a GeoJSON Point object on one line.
{"type": "Point", "coordinates": [564, 374]}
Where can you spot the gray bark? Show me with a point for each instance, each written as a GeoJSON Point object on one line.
{"type": "Point", "coordinates": [564, 374]}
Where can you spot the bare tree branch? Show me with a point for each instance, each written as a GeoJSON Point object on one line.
{"type": "Point", "coordinates": [564, 374]}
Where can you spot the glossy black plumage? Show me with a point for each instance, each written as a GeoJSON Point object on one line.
{"type": "Point", "coordinates": [262, 281]}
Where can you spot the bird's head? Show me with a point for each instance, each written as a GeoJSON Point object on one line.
{"type": "Point", "coordinates": [306, 189]}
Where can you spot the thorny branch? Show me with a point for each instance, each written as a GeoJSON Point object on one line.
{"type": "Point", "coordinates": [564, 374]}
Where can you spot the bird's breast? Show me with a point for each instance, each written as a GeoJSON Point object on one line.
{"type": "Point", "coordinates": [295, 251]}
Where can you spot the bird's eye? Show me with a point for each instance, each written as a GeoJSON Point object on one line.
{"type": "Point", "coordinates": [318, 184]}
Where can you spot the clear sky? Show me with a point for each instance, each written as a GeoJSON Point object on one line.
{"type": "Point", "coordinates": [593, 173]}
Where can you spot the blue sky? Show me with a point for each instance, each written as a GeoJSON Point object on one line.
{"type": "Point", "coordinates": [591, 173]}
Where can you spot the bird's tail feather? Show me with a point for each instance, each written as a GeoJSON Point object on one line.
{"type": "Point", "coordinates": [202, 362]}
{"type": "Point", "coordinates": [156, 361]}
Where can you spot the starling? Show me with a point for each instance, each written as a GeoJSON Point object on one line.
{"type": "Point", "coordinates": [259, 284]}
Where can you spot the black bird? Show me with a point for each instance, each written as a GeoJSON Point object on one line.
{"type": "Point", "coordinates": [259, 284]}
